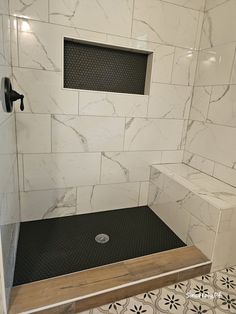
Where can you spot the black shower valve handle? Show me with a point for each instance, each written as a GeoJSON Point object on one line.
{"type": "Point", "coordinates": [10, 96]}
{"type": "Point", "coordinates": [15, 96]}
{"type": "Point", "coordinates": [22, 107]}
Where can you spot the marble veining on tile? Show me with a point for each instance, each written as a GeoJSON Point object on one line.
{"type": "Point", "coordinates": [201, 134]}
{"type": "Point", "coordinates": [107, 196]}
{"type": "Point", "coordinates": [47, 204]}
{"type": "Point", "coordinates": [217, 193]}
{"type": "Point", "coordinates": [114, 17]}
{"type": "Point", "coordinates": [112, 104]}
{"type": "Point", "coordinates": [35, 9]}
{"type": "Point", "coordinates": [139, 134]}
{"type": "Point", "coordinates": [169, 101]}
{"type": "Point", "coordinates": [164, 23]}
{"type": "Point", "coordinates": [46, 94]}
{"type": "Point", "coordinates": [86, 134]}
{"type": "Point", "coordinates": [127, 166]}
{"type": "Point", "coordinates": [214, 31]}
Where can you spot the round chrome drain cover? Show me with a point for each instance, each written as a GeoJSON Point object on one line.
{"type": "Point", "coordinates": [102, 238]}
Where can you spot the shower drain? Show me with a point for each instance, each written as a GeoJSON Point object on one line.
{"type": "Point", "coordinates": [102, 238]}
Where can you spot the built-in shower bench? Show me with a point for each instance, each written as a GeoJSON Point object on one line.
{"type": "Point", "coordinates": [200, 209]}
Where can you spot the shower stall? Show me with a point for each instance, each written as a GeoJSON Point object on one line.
{"type": "Point", "coordinates": [116, 148]}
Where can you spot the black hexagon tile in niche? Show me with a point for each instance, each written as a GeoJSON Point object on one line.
{"type": "Point", "coordinates": [104, 69]}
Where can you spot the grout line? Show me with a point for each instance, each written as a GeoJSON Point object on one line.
{"type": "Point", "coordinates": [139, 193]}
{"type": "Point", "coordinates": [172, 70]}
{"type": "Point", "coordinates": [232, 67]}
{"type": "Point", "coordinates": [220, 4]}
{"type": "Point", "coordinates": [100, 172]}
{"type": "Point", "coordinates": [23, 172]}
{"type": "Point", "coordinates": [78, 103]}
{"type": "Point", "coordinates": [208, 108]}
{"type": "Point", "coordinates": [97, 152]}
{"type": "Point", "coordinates": [132, 20]}
{"type": "Point", "coordinates": [51, 117]}
{"type": "Point", "coordinates": [48, 11]}
{"type": "Point", "coordinates": [17, 42]}
{"type": "Point", "coordinates": [214, 164]}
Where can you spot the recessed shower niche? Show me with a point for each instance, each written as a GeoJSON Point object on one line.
{"type": "Point", "coordinates": [98, 67]}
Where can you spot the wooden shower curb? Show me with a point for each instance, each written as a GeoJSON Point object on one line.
{"type": "Point", "coordinates": [80, 291]}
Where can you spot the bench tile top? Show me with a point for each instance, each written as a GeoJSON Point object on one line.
{"type": "Point", "coordinates": [215, 192]}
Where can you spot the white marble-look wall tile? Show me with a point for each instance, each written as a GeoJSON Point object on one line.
{"type": "Point", "coordinates": [159, 22]}
{"type": "Point", "coordinates": [162, 64]}
{"type": "Point", "coordinates": [20, 172]}
{"type": "Point", "coordinates": [199, 31]}
{"type": "Point", "coordinates": [215, 65]}
{"type": "Point", "coordinates": [2, 53]}
{"type": "Point", "coordinates": [130, 43]}
{"type": "Point", "coordinates": [112, 104]}
{"type": "Point", "coordinates": [50, 171]}
{"type": "Point", "coordinates": [14, 40]}
{"type": "Point", "coordinates": [46, 94]}
{"type": "Point", "coordinates": [224, 252]}
{"type": "Point", "coordinates": [199, 208]}
{"type": "Point", "coordinates": [184, 66]}
{"type": "Point", "coordinates": [219, 24]}
{"type": "Point", "coordinates": [210, 4]}
{"type": "Point", "coordinates": [143, 194]}
{"type": "Point", "coordinates": [114, 17]}
{"type": "Point", "coordinates": [35, 9]}
{"type": "Point", "coordinates": [233, 74]}
{"type": "Point", "coordinates": [5, 49]}
{"type": "Point", "coordinates": [47, 204]}
{"type": "Point", "coordinates": [192, 4]}
{"type": "Point", "coordinates": [209, 141]}
{"type": "Point", "coordinates": [169, 101]}
{"type": "Point", "coordinates": [172, 156]}
{"type": "Point", "coordinates": [198, 162]}
{"type": "Point", "coordinates": [184, 135]}
{"type": "Point", "coordinates": [7, 135]}
{"type": "Point", "coordinates": [202, 236]}
{"type": "Point", "coordinates": [165, 203]}
{"type": "Point", "coordinates": [87, 134]}
{"type": "Point", "coordinates": [33, 133]}
{"type": "Point", "coordinates": [200, 103]}
{"type": "Point", "coordinates": [9, 197]}
{"type": "Point", "coordinates": [40, 44]}
{"type": "Point", "coordinates": [152, 134]}
{"type": "Point", "coordinates": [4, 9]}
{"type": "Point", "coordinates": [106, 197]}
{"type": "Point", "coordinates": [127, 166]}
{"type": "Point", "coordinates": [157, 178]}
{"type": "Point", "coordinates": [222, 108]}
{"type": "Point", "coordinates": [226, 174]}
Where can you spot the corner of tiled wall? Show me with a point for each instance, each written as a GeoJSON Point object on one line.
{"type": "Point", "coordinates": [212, 124]}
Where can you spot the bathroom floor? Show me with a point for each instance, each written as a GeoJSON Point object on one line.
{"type": "Point", "coordinates": [59, 246]}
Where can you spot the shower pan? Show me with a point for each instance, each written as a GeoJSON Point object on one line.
{"type": "Point", "coordinates": [60, 246]}
{"type": "Point", "coordinates": [71, 264]}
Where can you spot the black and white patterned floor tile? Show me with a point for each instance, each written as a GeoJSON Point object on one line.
{"type": "Point", "coordinates": [214, 293]}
